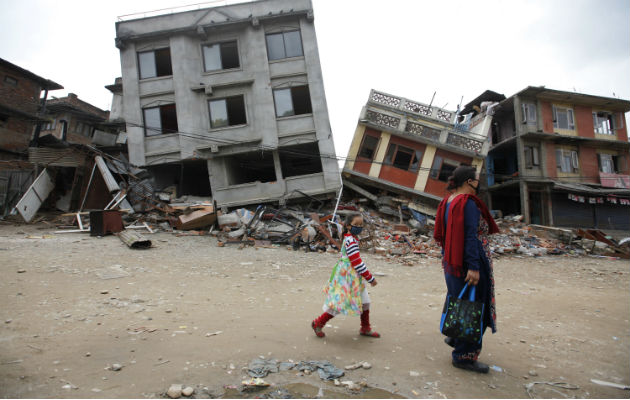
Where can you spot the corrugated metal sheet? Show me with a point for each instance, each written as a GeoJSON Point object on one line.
{"type": "Point", "coordinates": [56, 157]}
{"type": "Point", "coordinates": [35, 196]}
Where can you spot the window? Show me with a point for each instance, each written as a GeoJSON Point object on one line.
{"type": "Point", "coordinates": [292, 101]}
{"type": "Point", "coordinates": [368, 148]}
{"type": "Point", "coordinates": [403, 157]}
{"type": "Point", "coordinates": [567, 161]}
{"type": "Point", "coordinates": [82, 128]}
{"type": "Point", "coordinates": [603, 123]}
{"type": "Point", "coordinates": [301, 159]}
{"type": "Point", "coordinates": [563, 118]}
{"type": "Point", "coordinates": [221, 56]}
{"type": "Point", "coordinates": [227, 112]}
{"type": "Point", "coordinates": [155, 63]}
{"type": "Point", "coordinates": [606, 163]}
{"type": "Point", "coordinates": [532, 157]}
{"type": "Point", "coordinates": [442, 168]}
{"type": "Point", "coordinates": [50, 125]}
{"type": "Point", "coordinates": [11, 81]}
{"type": "Point", "coordinates": [160, 120]}
{"type": "Point", "coordinates": [284, 45]}
{"type": "Point", "coordinates": [529, 113]}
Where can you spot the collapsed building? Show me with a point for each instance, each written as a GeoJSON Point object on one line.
{"type": "Point", "coordinates": [227, 102]}
{"type": "Point", "coordinates": [411, 148]}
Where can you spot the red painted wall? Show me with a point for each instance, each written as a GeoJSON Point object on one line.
{"type": "Point", "coordinates": [550, 150]}
{"type": "Point", "coordinates": [622, 134]}
{"type": "Point", "coordinates": [547, 116]}
{"type": "Point", "coordinates": [584, 121]}
{"type": "Point", "coordinates": [363, 164]}
{"type": "Point", "coordinates": [399, 176]}
{"type": "Point", "coordinates": [436, 187]}
{"type": "Point", "coordinates": [589, 169]}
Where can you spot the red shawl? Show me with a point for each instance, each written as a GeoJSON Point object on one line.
{"type": "Point", "coordinates": [452, 241]}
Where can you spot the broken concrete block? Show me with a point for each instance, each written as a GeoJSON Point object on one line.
{"type": "Point", "coordinates": [229, 220]}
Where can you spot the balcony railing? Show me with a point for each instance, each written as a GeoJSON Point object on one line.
{"type": "Point", "coordinates": [413, 107]}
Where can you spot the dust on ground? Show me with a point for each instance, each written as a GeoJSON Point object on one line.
{"type": "Point", "coordinates": [187, 311]}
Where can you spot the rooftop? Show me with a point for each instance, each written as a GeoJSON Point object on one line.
{"type": "Point", "coordinates": [45, 83]}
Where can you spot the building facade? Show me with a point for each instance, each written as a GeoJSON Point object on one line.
{"type": "Point", "coordinates": [228, 101]}
{"type": "Point", "coordinates": [561, 158]}
{"type": "Point", "coordinates": [20, 108]}
{"type": "Point", "coordinates": [412, 148]}
{"type": "Point", "coordinates": [72, 119]}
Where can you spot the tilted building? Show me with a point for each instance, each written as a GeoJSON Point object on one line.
{"type": "Point", "coordinates": [228, 101]}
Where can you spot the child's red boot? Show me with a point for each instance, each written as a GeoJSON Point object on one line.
{"type": "Point", "coordinates": [319, 323]}
{"type": "Point", "coordinates": [366, 329]}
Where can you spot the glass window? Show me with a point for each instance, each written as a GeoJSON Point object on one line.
{"type": "Point", "coordinates": [218, 113]}
{"type": "Point", "coordinates": [390, 154]}
{"type": "Point", "coordinates": [221, 56]}
{"type": "Point", "coordinates": [275, 46]}
{"type": "Point", "coordinates": [293, 44]}
{"type": "Point", "coordinates": [415, 164]}
{"type": "Point", "coordinates": [227, 112]}
{"type": "Point", "coordinates": [603, 123]}
{"type": "Point", "coordinates": [563, 118]}
{"type": "Point", "coordinates": [369, 147]}
{"type": "Point", "coordinates": [284, 45]}
{"type": "Point", "coordinates": [152, 122]}
{"type": "Point", "coordinates": [403, 158]}
{"type": "Point", "coordinates": [155, 63]}
{"type": "Point", "coordinates": [147, 65]}
{"type": "Point", "coordinates": [212, 57]}
{"type": "Point", "coordinates": [284, 104]}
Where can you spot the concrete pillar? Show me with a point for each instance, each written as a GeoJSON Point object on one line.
{"type": "Point", "coordinates": [425, 168]}
{"type": "Point", "coordinates": [277, 166]}
{"type": "Point", "coordinates": [354, 146]}
{"type": "Point", "coordinates": [377, 162]}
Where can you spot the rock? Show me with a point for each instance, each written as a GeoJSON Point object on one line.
{"type": "Point", "coordinates": [533, 373]}
{"type": "Point", "coordinates": [337, 383]}
{"type": "Point", "coordinates": [188, 391]}
{"type": "Point", "coordinates": [175, 391]}
{"type": "Point", "coordinates": [169, 311]}
{"type": "Point", "coordinates": [104, 291]}
{"type": "Point", "coordinates": [366, 365]}
{"type": "Point", "coordinates": [414, 373]}
{"type": "Point", "coordinates": [88, 354]}
{"type": "Point", "coordinates": [353, 366]}
{"type": "Point", "coordinates": [116, 367]}
{"type": "Point", "coordinates": [21, 271]}
{"type": "Point", "coordinates": [492, 386]}
{"type": "Point", "coordinates": [8, 321]}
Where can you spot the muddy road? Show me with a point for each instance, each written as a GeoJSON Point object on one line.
{"type": "Point", "coordinates": [189, 312]}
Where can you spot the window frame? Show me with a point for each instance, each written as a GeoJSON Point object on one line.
{"type": "Point", "coordinates": [532, 156]}
{"type": "Point", "coordinates": [291, 89]}
{"type": "Point", "coordinates": [284, 44]}
{"type": "Point", "coordinates": [378, 142]}
{"type": "Point", "coordinates": [529, 110]}
{"type": "Point", "coordinates": [224, 99]}
{"type": "Point", "coordinates": [568, 158]}
{"type": "Point", "coordinates": [436, 172]}
{"type": "Point", "coordinates": [155, 65]}
{"type": "Point", "coordinates": [570, 117]}
{"type": "Point", "coordinates": [11, 81]}
{"type": "Point", "coordinates": [415, 154]}
{"type": "Point", "coordinates": [607, 117]}
{"type": "Point", "coordinates": [220, 44]}
{"type": "Point", "coordinates": [161, 130]}
{"type": "Point", "coordinates": [610, 162]}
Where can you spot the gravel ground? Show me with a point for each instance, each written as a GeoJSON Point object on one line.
{"type": "Point", "coordinates": [189, 312]}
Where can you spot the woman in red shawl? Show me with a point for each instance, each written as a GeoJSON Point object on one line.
{"type": "Point", "coordinates": [462, 226]}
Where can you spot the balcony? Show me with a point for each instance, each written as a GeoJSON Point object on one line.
{"type": "Point", "coordinates": [401, 116]}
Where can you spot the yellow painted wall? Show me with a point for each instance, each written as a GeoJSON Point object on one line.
{"type": "Point", "coordinates": [477, 163]}
{"type": "Point", "coordinates": [427, 162]}
{"type": "Point", "coordinates": [375, 169]}
{"type": "Point", "coordinates": [354, 146]}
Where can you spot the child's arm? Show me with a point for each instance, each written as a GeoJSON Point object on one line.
{"type": "Point", "coordinates": [352, 249]}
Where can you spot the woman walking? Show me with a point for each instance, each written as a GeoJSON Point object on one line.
{"type": "Point", "coordinates": [462, 226]}
{"type": "Point", "coordinates": [346, 292]}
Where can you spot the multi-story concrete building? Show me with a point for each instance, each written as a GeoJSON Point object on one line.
{"type": "Point", "coordinates": [228, 101]}
{"type": "Point", "coordinates": [412, 148]}
{"type": "Point", "coordinates": [561, 158]}
{"type": "Point", "coordinates": [20, 106]}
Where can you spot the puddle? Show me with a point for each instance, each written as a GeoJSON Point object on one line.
{"type": "Point", "coordinates": [307, 391]}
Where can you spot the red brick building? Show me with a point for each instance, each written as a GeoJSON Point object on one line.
{"type": "Point", "coordinates": [561, 158]}
{"type": "Point", "coordinates": [79, 119]}
{"type": "Point", "coordinates": [20, 107]}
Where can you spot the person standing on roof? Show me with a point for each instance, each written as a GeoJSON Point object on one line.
{"type": "Point", "coordinates": [346, 292]}
{"type": "Point", "coordinates": [462, 226]}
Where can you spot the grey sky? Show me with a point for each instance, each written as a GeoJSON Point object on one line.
{"type": "Point", "coordinates": [409, 48]}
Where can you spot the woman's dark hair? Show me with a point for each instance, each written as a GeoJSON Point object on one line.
{"type": "Point", "coordinates": [348, 220]}
{"type": "Point", "coordinates": [460, 176]}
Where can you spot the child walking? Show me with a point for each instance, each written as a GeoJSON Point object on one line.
{"type": "Point", "coordinates": [346, 292]}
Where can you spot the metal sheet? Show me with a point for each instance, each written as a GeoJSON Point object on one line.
{"type": "Point", "coordinates": [35, 196]}
{"type": "Point", "coordinates": [112, 186]}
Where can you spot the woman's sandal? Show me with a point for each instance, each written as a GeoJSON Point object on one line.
{"type": "Point", "coordinates": [370, 333]}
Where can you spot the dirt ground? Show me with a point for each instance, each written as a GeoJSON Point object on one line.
{"type": "Point", "coordinates": [72, 305]}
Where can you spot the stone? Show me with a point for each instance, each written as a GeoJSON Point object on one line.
{"type": "Point", "coordinates": [104, 291]}
{"type": "Point", "coordinates": [414, 373]}
{"type": "Point", "coordinates": [88, 354]}
{"type": "Point", "coordinates": [175, 391]}
{"type": "Point", "coordinates": [169, 311]}
{"type": "Point", "coordinates": [21, 271]}
{"type": "Point", "coordinates": [8, 321]}
{"type": "Point", "coordinates": [533, 373]}
{"type": "Point", "coordinates": [188, 391]}
{"type": "Point", "coordinates": [366, 365]}
{"type": "Point", "coordinates": [116, 367]}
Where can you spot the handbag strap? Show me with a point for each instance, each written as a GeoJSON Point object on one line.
{"type": "Point", "coordinates": [471, 293]}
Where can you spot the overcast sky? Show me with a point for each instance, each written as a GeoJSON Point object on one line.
{"type": "Point", "coordinates": [410, 48]}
